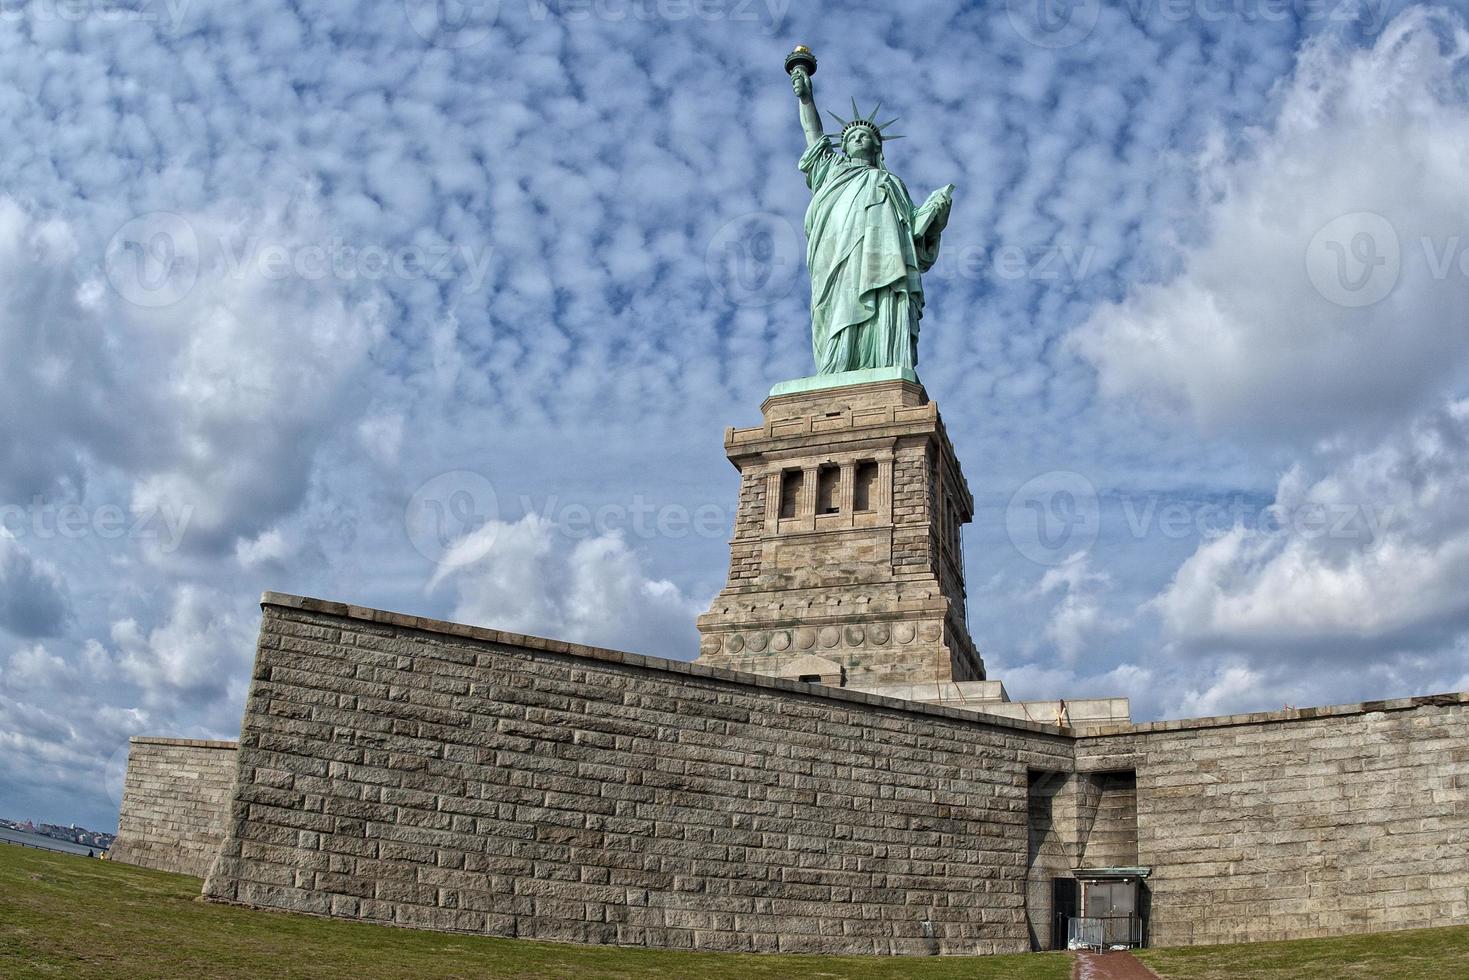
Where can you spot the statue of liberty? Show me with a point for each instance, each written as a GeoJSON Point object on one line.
{"type": "Point", "coordinates": [867, 246]}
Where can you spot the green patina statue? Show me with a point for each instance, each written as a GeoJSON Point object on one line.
{"type": "Point", "coordinates": [867, 246]}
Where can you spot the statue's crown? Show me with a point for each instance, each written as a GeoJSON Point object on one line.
{"type": "Point", "coordinates": [867, 122]}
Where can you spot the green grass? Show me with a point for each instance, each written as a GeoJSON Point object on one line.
{"type": "Point", "coordinates": [64, 916]}
{"type": "Point", "coordinates": [1422, 954]}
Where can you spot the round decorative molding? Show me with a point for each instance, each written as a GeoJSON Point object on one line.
{"type": "Point", "coordinates": [735, 643]}
{"type": "Point", "coordinates": [905, 632]}
{"type": "Point", "coordinates": [805, 639]}
{"type": "Point", "coordinates": [780, 642]}
{"type": "Point", "coordinates": [710, 645]}
{"type": "Point", "coordinates": [758, 641]}
{"type": "Point", "coordinates": [931, 632]}
{"type": "Point", "coordinates": [879, 634]}
{"type": "Point", "coordinates": [856, 636]}
{"type": "Point", "coordinates": [830, 636]}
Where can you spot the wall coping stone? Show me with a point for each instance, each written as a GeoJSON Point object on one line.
{"type": "Point", "coordinates": [1287, 714]}
{"type": "Point", "coordinates": [193, 743]}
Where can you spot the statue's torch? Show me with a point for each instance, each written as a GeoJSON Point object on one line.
{"type": "Point", "coordinates": [801, 58]}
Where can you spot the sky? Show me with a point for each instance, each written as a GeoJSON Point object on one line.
{"type": "Point", "coordinates": [444, 308]}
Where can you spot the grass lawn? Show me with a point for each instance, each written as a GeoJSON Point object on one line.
{"type": "Point", "coordinates": [1422, 954]}
{"type": "Point", "coordinates": [64, 916]}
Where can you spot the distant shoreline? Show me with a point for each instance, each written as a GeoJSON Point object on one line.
{"type": "Point", "coordinates": [43, 842]}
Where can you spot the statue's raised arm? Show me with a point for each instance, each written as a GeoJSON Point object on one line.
{"type": "Point", "coordinates": [867, 245]}
{"type": "Point", "coordinates": [802, 65]}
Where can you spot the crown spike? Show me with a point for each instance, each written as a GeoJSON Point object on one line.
{"type": "Point", "coordinates": [873, 114]}
{"type": "Point", "coordinates": [889, 122]}
{"type": "Point", "coordinates": [856, 112]}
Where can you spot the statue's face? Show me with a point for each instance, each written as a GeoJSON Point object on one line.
{"type": "Point", "coordinates": [860, 144]}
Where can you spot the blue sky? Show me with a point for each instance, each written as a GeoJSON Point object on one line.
{"type": "Point", "coordinates": [444, 309]}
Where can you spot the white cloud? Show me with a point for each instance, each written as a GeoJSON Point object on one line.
{"type": "Point", "coordinates": [1371, 556]}
{"type": "Point", "coordinates": [36, 667]}
{"type": "Point", "coordinates": [1235, 689]}
{"type": "Point", "coordinates": [211, 406]}
{"type": "Point", "coordinates": [270, 547]}
{"type": "Point", "coordinates": [523, 577]}
{"type": "Point", "coordinates": [1257, 337]}
{"type": "Point", "coordinates": [200, 652]}
{"type": "Point", "coordinates": [1078, 615]}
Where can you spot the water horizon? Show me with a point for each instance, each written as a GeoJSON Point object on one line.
{"type": "Point", "coordinates": [8, 835]}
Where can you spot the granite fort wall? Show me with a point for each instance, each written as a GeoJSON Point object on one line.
{"type": "Point", "coordinates": [426, 774]}
{"type": "Point", "coordinates": [1301, 823]}
{"type": "Point", "coordinates": [175, 803]}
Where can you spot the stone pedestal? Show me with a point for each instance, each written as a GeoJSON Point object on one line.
{"type": "Point", "coordinates": [847, 542]}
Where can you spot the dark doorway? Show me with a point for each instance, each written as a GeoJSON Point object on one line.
{"type": "Point", "coordinates": [1064, 905]}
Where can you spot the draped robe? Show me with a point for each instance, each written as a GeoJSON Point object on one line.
{"type": "Point", "coordinates": [866, 247]}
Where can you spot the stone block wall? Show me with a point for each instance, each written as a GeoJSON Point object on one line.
{"type": "Point", "coordinates": [1108, 813]}
{"type": "Point", "coordinates": [425, 774]}
{"type": "Point", "coordinates": [175, 801]}
{"type": "Point", "coordinates": [417, 773]}
{"type": "Point", "coordinates": [1051, 833]}
{"type": "Point", "coordinates": [1301, 823]}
